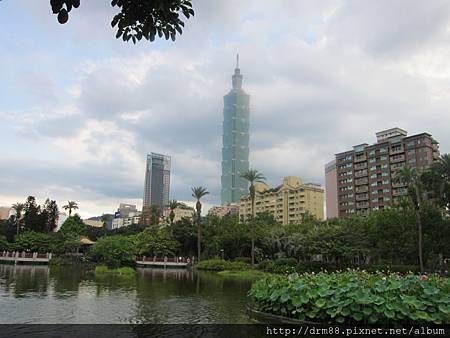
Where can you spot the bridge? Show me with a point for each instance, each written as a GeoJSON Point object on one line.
{"type": "Point", "coordinates": [174, 262]}
{"type": "Point", "coordinates": [25, 257]}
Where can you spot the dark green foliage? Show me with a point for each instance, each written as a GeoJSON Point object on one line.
{"type": "Point", "coordinates": [155, 241]}
{"type": "Point", "coordinates": [184, 232]}
{"type": "Point", "coordinates": [73, 227]}
{"type": "Point", "coordinates": [355, 298]}
{"type": "Point", "coordinates": [4, 245]}
{"type": "Point", "coordinates": [8, 229]}
{"type": "Point", "coordinates": [34, 242]}
{"type": "Point", "coordinates": [139, 19]}
{"type": "Point", "coordinates": [246, 260]}
{"type": "Point", "coordinates": [221, 265]}
{"type": "Point", "coordinates": [114, 251]}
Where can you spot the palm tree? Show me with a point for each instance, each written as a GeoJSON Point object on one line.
{"type": "Point", "coordinates": [198, 193]}
{"type": "Point", "coordinates": [442, 166]}
{"type": "Point", "coordinates": [18, 208]}
{"type": "Point", "coordinates": [411, 178]}
{"type": "Point", "coordinates": [71, 205]}
{"type": "Point", "coordinates": [253, 176]}
{"type": "Point", "coordinates": [173, 204]}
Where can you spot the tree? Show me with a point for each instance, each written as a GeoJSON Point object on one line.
{"type": "Point", "coordinates": [173, 204]}
{"type": "Point", "coordinates": [73, 227]}
{"type": "Point", "coordinates": [18, 208]}
{"type": "Point", "coordinates": [138, 19]}
{"type": "Point", "coordinates": [253, 176]}
{"type": "Point", "coordinates": [71, 205]}
{"type": "Point", "coordinates": [51, 213]}
{"type": "Point", "coordinates": [114, 251]}
{"type": "Point", "coordinates": [198, 193]}
{"type": "Point", "coordinates": [155, 241]}
{"type": "Point", "coordinates": [32, 219]}
{"type": "Point", "coordinates": [411, 178]}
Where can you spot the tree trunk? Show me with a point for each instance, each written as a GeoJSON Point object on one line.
{"type": "Point", "coordinates": [253, 230]}
{"type": "Point", "coordinates": [199, 245]}
{"type": "Point", "coordinates": [419, 239]}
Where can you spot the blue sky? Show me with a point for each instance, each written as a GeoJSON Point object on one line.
{"type": "Point", "coordinates": [80, 110]}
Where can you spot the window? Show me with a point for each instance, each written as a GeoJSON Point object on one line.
{"type": "Point", "coordinates": [373, 168]}
{"type": "Point", "coordinates": [383, 150]}
{"type": "Point", "coordinates": [384, 174]}
{"type": "Point", "coordinates": [372, 152]}
{"type": "Point", "coordinates": [384, 166]}
{"type": "Point", "coordinates": [372, 160]}
{"type": "Point", "coordinates": [373, 176]}
{"type": "Point", "coordinates": [383, 158]}
{"type": "Point", "coordinates": [385, 181]}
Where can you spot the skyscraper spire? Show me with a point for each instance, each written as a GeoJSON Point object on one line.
{"type": "Point", "coordinates": [237, 77]}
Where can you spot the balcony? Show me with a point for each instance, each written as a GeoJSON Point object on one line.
{"type": "Point", "coordinates": [361, 173]}
{"type": "Point", "coordinates": [399, 192]}
{"type": "Point", "coordinates": [397, 158]}
{"type": "Point", "coordinates": [362, 197]}
{"type": "Point", "coordinates": [362, 205]}
{"type": "Point", "coordinates": [398, 150]}
{"type": "Point", "coordinates": [361, 181]}
{"type": "Point", "coordinates": [360, 158]}
{"type": "Point", "coordinates": [360, 166]}
{"type": "Point", "coordinates": [398, 184]}
{"type": "Point", "coordinates": [362, 189]}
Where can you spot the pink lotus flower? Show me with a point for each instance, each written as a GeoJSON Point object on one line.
{"type": "Point", "coordinates": [423, 277]}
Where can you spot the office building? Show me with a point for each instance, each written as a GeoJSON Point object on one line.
{"type": "Point", "coordinates": [287, 202]}
{"type": "Point", "coordinates": [331, 196]}
{"type": "Point", "coordinates": [235, 151]}
{"type": "Point", "coordinates": [157, 181]}
{"type": "Point", "coordinates": [366, 175]}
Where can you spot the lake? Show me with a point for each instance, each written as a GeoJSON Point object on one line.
{"type": "Point", "coordinates": [76, 295]}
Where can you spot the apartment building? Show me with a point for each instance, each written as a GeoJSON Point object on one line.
{"type": "Point", "coordinates": [224, 210]}
{"type": "Point", "coordinates": [287, 202]}
{"type": "Point", "coordinates": [182, 211]}
{"type": "Point", "coordinates": [366, 174]}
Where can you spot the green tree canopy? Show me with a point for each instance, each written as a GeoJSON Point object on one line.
{"type": "Point", "coordinates": [138, 19]}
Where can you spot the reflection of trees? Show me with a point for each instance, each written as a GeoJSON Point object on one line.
{"type": "Point", "coordinates": [24, 279]}
{"type": "Point", "coordinates": [187, 296]}
{"type": "Point", "coordinates": [66, 279]}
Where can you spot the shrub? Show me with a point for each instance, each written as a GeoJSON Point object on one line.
{"type": "Point", "coordinates": [286, 262]}
{"type": "Point", "coordinates": [314, 267]}
{"type": "Point", "coordinates": [355, 298]}
{"type": "Point", "coordinates": [266, 265]}
{"type": "Point", "coordinates": [246, 260]}
{"type": "Point", "coordinates": [124, 271]}
{"type": "Point", "coordinates": [114, 251]}
{"type": "Point", "coordinates": [4, 245]}
{"type": "Point", "coordinates": [221, 265]}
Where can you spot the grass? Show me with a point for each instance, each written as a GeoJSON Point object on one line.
{"type": "Point", "coordinates": [244, 274]}
{"type": "Point", "coordinates": [124, 271]}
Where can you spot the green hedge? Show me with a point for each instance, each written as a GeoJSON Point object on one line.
{"type": "Point", "coordinates": [221, 265]}
{"type": "Point", "coordinates": [355, 298]}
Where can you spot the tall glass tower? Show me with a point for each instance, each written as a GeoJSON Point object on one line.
{"type": "Point", "coordinates": [235, 151]}
{"type": "Point", "coordinates": [157, 181]}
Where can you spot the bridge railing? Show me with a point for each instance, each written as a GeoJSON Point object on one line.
{"type": "Point", "coordinates": [164, 259]}
{"type": "Point", "coordinates": [25, 255]}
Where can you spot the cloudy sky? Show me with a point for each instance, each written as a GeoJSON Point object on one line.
{"type": "Point", "coordinates": [79, 110]}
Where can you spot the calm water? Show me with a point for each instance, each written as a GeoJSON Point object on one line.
{"type": "Point", "coordinates": [39, 294]}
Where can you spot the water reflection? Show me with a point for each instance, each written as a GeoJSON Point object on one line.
{"type": "Point", "coordinates": [73, 294]}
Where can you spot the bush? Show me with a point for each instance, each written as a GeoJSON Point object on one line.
{"type": "Point", "coordinates": [4, 245]}
{"type": "Point", "coordinates": [124, 271]}
{"type": "Point", "coordinates": [286, 262]}
{"type": "Point", "coordinates": [246, 260]}
{"type": "Point", "coordinates": [221, 265]}
{"type": "Point", "coordinates": [403, 269]}
{"type": "Point", "coordinates": [355, 298]}
{"type": "Point", "coordinates": [314, 267]}
{"type": "Point", "coordinates": [114, 251]}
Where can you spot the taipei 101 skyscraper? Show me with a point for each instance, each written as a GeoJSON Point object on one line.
{"type": "Point", "coordinates": [235, 150]}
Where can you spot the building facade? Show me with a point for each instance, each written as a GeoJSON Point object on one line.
{"type": "Point", "coordinates": [182, 211]}
{"type": "Point", "coordinates": [224, 210]}
{"type": "Point", "coordinates": [287, 202]}
{"type": "Point", "coordinates": [157, 181]}
{"type": "Point", "coordinates": [331, 196]}
{"type": "Point", "coordinates": [6, 212]}
{"type": "Point", "coordinates": [365, 175]}
{"type": "Point", "coordinates": [235, 150]}
{"type": "Point", "coordinates": [125, 215]}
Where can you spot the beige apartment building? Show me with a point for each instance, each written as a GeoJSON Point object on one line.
{"type": "Point", "coordinates": [224, 210]}
{"type": "Point", "coordinates": [182, 211]}
{"type": "Point", "coordinates": [286, 202]}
